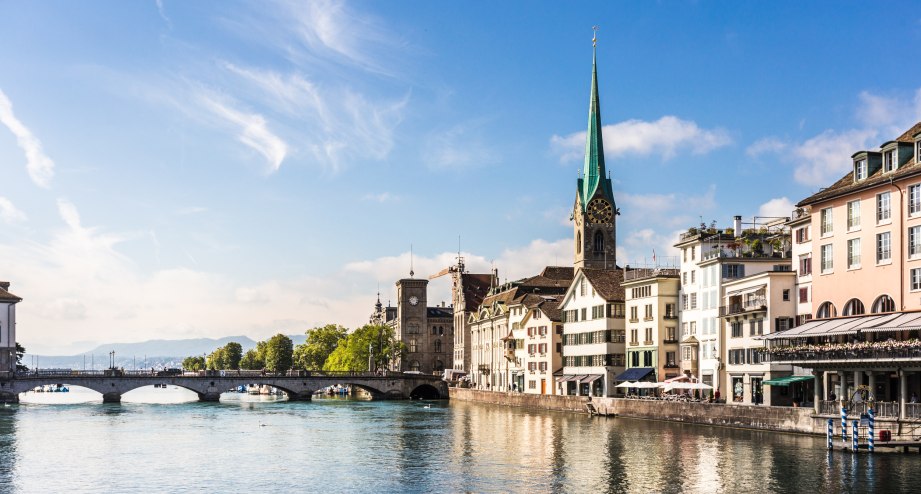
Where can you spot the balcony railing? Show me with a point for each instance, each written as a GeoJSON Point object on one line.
{"type": "Point", "coordinates": [757, 304]}
{"type": "Point", "coordinates": [869, 354]}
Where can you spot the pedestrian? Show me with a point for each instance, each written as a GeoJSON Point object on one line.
{"type": "Point", "coordinates": [832, 396]}
{"type": "Point", "coordinates": [914, 397]}
{"type": "Point", "coordinates": [716, 395]}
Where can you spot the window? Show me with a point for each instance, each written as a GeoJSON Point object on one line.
{"type": "Point", "coordinates": [883, 247]}
{"type": "Point", "coordinates": [599, 241]}
{"type": "Point", "coordinates": [634, 336]}
{"type": "Point", "coordinates": [805, 265]}
{"type": "Point", "coordinates": [647, 359]}
{"type": "Point", "coordinates": [802, 234]}
{"type": "Point", "coordinates": [584, 314]}
{"type": "Point", "coordinates": [733, 270]}
{"type": "Point", "coordinates": [414, 365]}
{"type": "Point", "coordinates": [756, 327]}
{"type": "Point", "coordinates": [883, 304]}
{"type": "Point", "coordinates": [918, 151]}
{"type": "Point", "coordinates": [916, 279]}
{"type": "Point", "coordinates": [684, 278]}
{"type": "Point", "coordinates": [883, 207]}
{"type": "Point", "coordinates": [914, 241]}
{"type": "Point", "coordinates": [413, 346]}
{"type": "Point", "coordinates": [860, 169]}
{"type": "Point", "coordinates": [853, 215]}
{"type": "Point", "coordinates": [670, 334]}
{"type": "Point", "coordinates": [826, 218]}
{"type": "Point", "coordinates": [736, 327]}
{"type": "Point", "coordinates": [692, 276]}
{"type": "Point", "coordinates": [853, 307]}
{"type": "Point", "coordinates": [693, 327]}
{"type": "Point", "coordinates": [671, 311]}
{"type": "Point", "coordinates": [914, 199]}
{"type": "Point", "coordinates": [827, 309]}
{"type": "Point", "coordinates": [542, 366]}
{"type": "Point", "coordinates": [826, 258]}
{"type": "Point", "coordinates": [782, 324]}
{"type": "Point", "coordinates": [853, 253]}
{"type": "Point", "coordinates": [693, 249]}
{"type": "Point", "coordinates": [803, 294]}
{"type": "Point", "coordinates": [648, 311]}
{"type": "Point", "coordinates": [437, 346]}
{"type": "Point", "coordinates": [633, 314]}
{"type": "Point", "coordinates": [889, 161]}
{"type": "Point", "coordinates": [693, 300]}
{"type": "Point", "coordinates": [786, 295]}
{"type": "Point", "coordinates": [670, 359]}
{"type": "Point", "coordinates": [583, 287]}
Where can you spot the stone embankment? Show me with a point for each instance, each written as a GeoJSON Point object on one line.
{"type": "Point", "coordinates": [781, 419]}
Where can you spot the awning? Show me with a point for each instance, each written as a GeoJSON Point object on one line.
{"type": "Point", "coordinates": [746, 290]}
{"type": "Point", "coordinates": [682, 377]}
{"type": "Point", "coordinates": [787, 380]}
{"type": "Point", "coordinates": [903, 321]}
{"type": "Point", "coordinates": [592, 378]}
{"type": "Point", "coordinates": [562, 379]}
{"type": "Point", "coordinates": [634, 374]}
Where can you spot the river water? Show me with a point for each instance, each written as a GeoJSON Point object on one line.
{"type": "Point", "coordinates": [253, 444]}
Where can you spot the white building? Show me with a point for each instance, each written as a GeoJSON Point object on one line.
{"type": "Point", "coordinates": [652, 320]}
{"type": "Point", "coordinates": [593, 333]}
{"type": "Point", "coordinates": [709, 258]}
{"type": "Point", "coordinates": [755, 306]}
{"type": "Point", "coordinates": [801, 232]}
{"type": "Point", "coordinates": [8, 303]}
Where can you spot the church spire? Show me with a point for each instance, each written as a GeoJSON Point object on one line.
{"type": "Point", "coordinates": [593, 172]}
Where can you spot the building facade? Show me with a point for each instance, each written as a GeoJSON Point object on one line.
{"type": "Point", "coordinates": [426, 332]}
{"type": "Point", "coordinates": [8, 303]}
{"type": "Point", "coordinates": [652, 320]}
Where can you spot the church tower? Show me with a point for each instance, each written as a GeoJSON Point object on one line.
{"type": "Point", "coordinates": [594, 213]}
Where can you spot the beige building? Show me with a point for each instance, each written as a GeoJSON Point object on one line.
{"type": "Point", "coordinates": [490, 326]}
{"type": "Point", "coordinates": [652, 320]}
{"type": "Point", "coordinates": [8, 303]}
{"type": "Point", "coordinates": [752, 307]}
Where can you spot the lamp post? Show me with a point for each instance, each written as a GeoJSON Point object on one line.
{"type": "Point", "coordinates": [370, 350]}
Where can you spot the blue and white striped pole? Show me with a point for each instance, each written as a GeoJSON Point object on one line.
{"type": "Point", "coordinates": [830, 435]}
{"type": "Point", "coordinates": [856, 424]}
{"type": "Point", "coordinates": [871, 425]}
{"type": "Point", "coordinates": [843, 423]}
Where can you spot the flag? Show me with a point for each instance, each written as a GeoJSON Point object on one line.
{"type": "Point", "coordinates": [653, 256]}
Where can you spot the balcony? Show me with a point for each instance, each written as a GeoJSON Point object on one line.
{"type": "Point", "coordinates": [754, 305]}
{"type": "Point", "coordinates": [671, 340]}
{"type": "Point", "coordinates": [669, 315]}
{"type": "Point", "coordinates": [671, 365]}
{"type": "Point", "coordinates": [817, 354]}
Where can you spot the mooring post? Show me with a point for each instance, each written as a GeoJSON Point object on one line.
{"type": "Point", "coordinates": [871, 425]}
{"type": "Point", "coordinates": [843, 423]}
{"type": "Point", "coordinates": [856, 424]}
{"type": "Point", "coordinates": [830, 434]}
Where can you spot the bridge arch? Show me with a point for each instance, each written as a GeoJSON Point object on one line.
{"type": "Point", "coordinates": [425, 392]}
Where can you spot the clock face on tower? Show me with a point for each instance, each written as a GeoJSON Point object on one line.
{"type": "Point", "coordinates": [600, 211]}
{"type": "Point", "coordinates": [413, 300]}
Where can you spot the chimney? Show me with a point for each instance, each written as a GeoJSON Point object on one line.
{"type": "Point", "coordinates": [737, 226]}
{"type": "Point", "coordinates": [5, 285]}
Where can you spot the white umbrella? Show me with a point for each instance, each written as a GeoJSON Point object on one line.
{"type": "Point", "coordinates": [700, 386]}
{"type": "Point", "coordinates": [646, 385]}
{"type": "Point", "coordinates": [626, 384]}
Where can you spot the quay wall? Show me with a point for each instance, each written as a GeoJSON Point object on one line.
{"type": "Point", "coordinates": [545, 402]}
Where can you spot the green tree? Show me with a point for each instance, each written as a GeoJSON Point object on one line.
{"type": "Point", "coordinates": [251, 360]}
{"type": "Point", "coordinates": [352, 353]}
{"type": "Point", "coordinates": [216, 360]}
{"type": "Point", "coordinates": [321, 342]}
{"type": "Point", "coordinates": [279, 353]}
{"type": "Point", "coordinates": [20, 351]}
{"type": "Point", "coordinates": [233, 353]}
{"type": "Point", "coordinates": [193, 363]}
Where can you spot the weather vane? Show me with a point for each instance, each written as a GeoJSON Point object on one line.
{"type": "Point", "coordinates": [595, 35]}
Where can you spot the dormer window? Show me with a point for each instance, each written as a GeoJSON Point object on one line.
{"type": "Point", "coordinates": [918, 151]}
{"type": "Point", "coordinates": [860, 169]}
{"type": "Point", "coordinates": [889, 160]}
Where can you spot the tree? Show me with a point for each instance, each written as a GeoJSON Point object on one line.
{"type": "Point", "coordinates": [321, 342]}
{"type": "Point", "coordinates": [233, 353]}
{"type": "Point", "coordinates": [352, 352]}
{"type": "Point", "coordinates": [279, 354]}
{"type": "Point", "coordinates": [216, 360]}
{"type": "Point", "coordinates": [20, 351]}
{"type": "Point", "coordinates": [251, 360]}
{"type": "Point", "coordinates": [193, 363]}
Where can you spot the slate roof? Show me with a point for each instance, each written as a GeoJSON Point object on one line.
{"type": "Point", "coordinates": [846, 184]}
{"type": "Point", "coordinates": [475, 288]}
{"type": "Point", "coordinates": [6, 296]}
{"type": "Point", "coordinates": [548, 304]}
{"type": "Point", "coordinates": [440, 312]}
{"type": "Point", "coordinates": [607, 282]}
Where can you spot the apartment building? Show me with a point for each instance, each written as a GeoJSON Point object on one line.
{"type": "Point", "coordinates": [652, 321]}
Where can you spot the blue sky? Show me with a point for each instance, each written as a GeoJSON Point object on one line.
{"type": "Point", "coordinates": [183, 169]}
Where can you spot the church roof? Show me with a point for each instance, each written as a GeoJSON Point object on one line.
{"type": "Point", "coordinates": [593, 173]}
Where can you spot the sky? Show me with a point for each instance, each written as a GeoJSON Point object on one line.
{"type": "Point", "coordinates": [200, 169]}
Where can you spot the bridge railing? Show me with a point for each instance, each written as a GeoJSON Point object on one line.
{"type": "Point", "coordinates": [34, 373]}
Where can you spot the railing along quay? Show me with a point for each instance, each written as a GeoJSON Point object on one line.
{"type": "Point", "coordinates": [829, 355]}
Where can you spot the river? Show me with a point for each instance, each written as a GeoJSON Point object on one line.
{"type": "Point", "coordinates": [163, 443]}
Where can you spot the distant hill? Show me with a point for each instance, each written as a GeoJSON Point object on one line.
{"type": "Point", "coordinates": [158, 353]}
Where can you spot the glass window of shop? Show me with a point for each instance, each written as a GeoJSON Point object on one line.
{"type": "Point", "coordinates": [738, 389]}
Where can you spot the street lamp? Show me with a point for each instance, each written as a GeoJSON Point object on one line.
{"type": "Point", "coordinates": [370, 350]}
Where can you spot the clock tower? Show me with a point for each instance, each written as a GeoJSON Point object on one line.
{"type": "Point", "coordinates": [594, 213]}
{"type": "Point", "coordinates": [412, 317]}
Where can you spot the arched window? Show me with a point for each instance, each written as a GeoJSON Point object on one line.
{"type": "Point", "coordinates": [853, 307]}
{"type": "Point", "coordinates": [441, 331]}
{"type": "Point", "coordinates": [437, 346]}
{"type": "Point", "coordinates": [439, 366]}
{"type": "Point", "coordinates": [883, 304]}
{"type": "Point", "coordinates": [827, 309]}
{"type": "Point", "coordinates": [414, 365]}
{"type": "Point", "coordinates": [599, 241]}
{"type": "Point", "coordinates": [578, 242]}
{"type": "Point", "coordinates": [412, 346]}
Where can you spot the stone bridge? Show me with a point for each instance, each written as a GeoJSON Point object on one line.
{"type": "Point", "coordinates": [297, 385]}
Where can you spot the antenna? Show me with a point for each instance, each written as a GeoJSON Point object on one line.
{"type": "Point", "coordinates": [595, 35]}
{"type": "Point", "coordinates": [411, 273]}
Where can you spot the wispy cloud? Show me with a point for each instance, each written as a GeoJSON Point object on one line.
{"type": "Point", "coordinates": [459, 147]}
{"type": "Point", "coordinates": [335, 122]}
{"type": "Point", "coordinates": [162, 12]}
{"type": "Point", "coordinates": [665, 137]}
{"type": "Point", "coordinates": [825, 157]}
{"type": "Point", "coordinates": [252, 130]}
{"type": "Point", "coordinates": [39, 165]}
{"type": "Point", "coordinates": [9, 213]}
{"type": "Point", "coordinates": [381, 198]}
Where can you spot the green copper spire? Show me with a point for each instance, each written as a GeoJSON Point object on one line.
{"type": "Point", "coordinates": [593, 173]}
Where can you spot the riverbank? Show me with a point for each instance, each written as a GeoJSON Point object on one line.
{"type": "Point", "coordinates": [780, 419]}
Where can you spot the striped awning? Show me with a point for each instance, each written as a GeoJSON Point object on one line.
{"type": "Point", "coordinates": [899, 321]}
